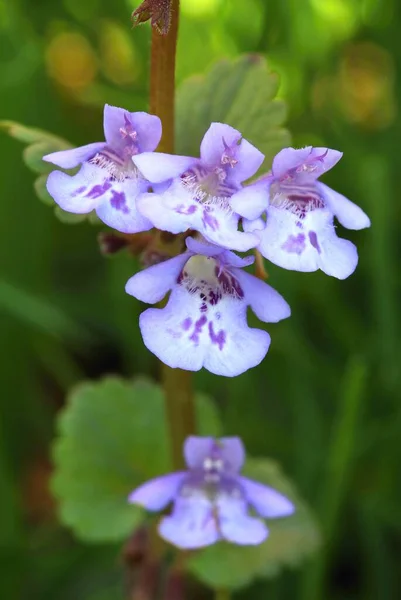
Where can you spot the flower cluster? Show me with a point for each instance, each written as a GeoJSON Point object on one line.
{"type": "Point", "coordinates": [287, 215]}
{"type": "Point", "coordinates": [211, 499]}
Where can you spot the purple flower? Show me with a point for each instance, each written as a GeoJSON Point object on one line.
{"type": "Point", "coordinates": [204, 323]}
{"type": "Point", "coordinates": [211, 498]}
{"type": "Point", "coordinates": [299, 233]}
{"type": "Point", "coordinates": [198, 191]}
{"type": "Point", "coordinates": [108, 181]}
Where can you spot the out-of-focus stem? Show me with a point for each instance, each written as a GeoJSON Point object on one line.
{"type": "Point", "coordinates": [177, 384]}
{"type": "Point", "coordinates": [222, 594]}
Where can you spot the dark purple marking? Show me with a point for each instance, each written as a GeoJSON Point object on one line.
{"type": "Point", "coordinates": [198, 329]}
{"type": "Point", "coordinates": [314, 241]}
{"type": "Point", "coordinates": [217, 338]}
{"type": "Point", "coordinates": [186, 324]}
{"type": "Point", "coordinates": [295, 244]}
{"type": "Point", "coordinates": [228, 282]}
{"type": "Point", "coordinates": [214, 297]}
{"type": "Point", "coordinates": [182, 210]}
{"type": "Point", "coordinates": [99, 190]}
{"type": "Point", "coordinates": [117, 201]}
{"type": "Point", "coordinates": [79, 191]}
{"type": "Point", "coordinates": [209, 221]}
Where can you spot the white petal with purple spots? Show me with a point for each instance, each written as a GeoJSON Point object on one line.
{"type": "Point", "coordinates": [306, 244]}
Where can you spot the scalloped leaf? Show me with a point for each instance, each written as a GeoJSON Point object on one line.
{"type": "Point", "coordinates": [240, 93]}
{"type": "Point", "coordinates": [112, 437]}
{"type": "Point", "coordinates": [290, 541]}
{"type": "Point", "coordinates": [42, 142]}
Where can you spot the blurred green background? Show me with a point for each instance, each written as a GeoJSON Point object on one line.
{"type": "Point", "coordinates": [326, 402]}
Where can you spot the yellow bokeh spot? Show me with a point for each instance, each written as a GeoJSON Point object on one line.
{"type": "Point", "coordinates": [71, 61]}
{"type": "Point", "coordinates": [119, 60]}
{"type": "Point", "coordinates": [339, 14]}
{"type": "Point", "coordinates": [200, 8]}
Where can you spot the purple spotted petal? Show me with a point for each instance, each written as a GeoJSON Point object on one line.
{"type": "Point", "coordinates": [196, 449]}
{"type": "Point", "coordinates": [80, 193]}
{"type": "Point", "coordinates": [182, 336]}
{"type": "Point", "coordinates": [68, 159]}
{"type": "Point", "coordinates": [118, 207]}
{"type": "Point", "coordinates": [221, 139]}
{"type": "Point", "coordinates": [152, 284]}
{"type": "Point", "coordinates": [311, 161]}
{"type": "Point", "coordinates": [118, 124]}
{"type": "Point", "coordinates": [267, 304]}
{"type": "Point", "coordinates": [155, 494]}
{"type": "Point", "coordinates": [267, 502]}
{"type": "Point", "coordinates": [308, 245]}
{"type": "Point", "coordinates": [348, 213]}
{"type": "Point", "coordinates": [159, 167]}
{"type": "Point", "coordinates": [233, 453]}
{"type": "Point", "coordinates": [252, 200]}
{"type": "Point", "coordinates": [191, 525]}
{"type": "Point", "coordinates": [176, 211]}
{"type": "Point", "coordinates": [237, 526]}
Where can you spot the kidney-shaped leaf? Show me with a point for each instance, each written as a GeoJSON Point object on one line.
{"type": "Point", "coordinates": [112, 437]}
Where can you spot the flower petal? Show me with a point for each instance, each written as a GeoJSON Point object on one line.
{"type": "Point", "coordinates": [310, 162]}
{"type": "Point", "coordinates": [236, 525]}
{"type": "Point", "coordinates": [267, 502]}
{"type": "Point", "coordinates": [348, 213]}
{"type": "Point", "coordinates": [186, 337]}
{"type": "Point", "coordinates": [176, 211]}
{"type": "Point", "coordinates": [158, 167]}
{"type": "Point", "coordinates": [218, 137]}
{"type": "Point", "coordinates": [232, 452]}
{"type": "Point", "coordinates": [68, 159]}
{"type": "Point", "coordinates": [192, 523]}
{"type": "Point", "coordinates": [152, 284]}
{"type": "Point", "coordinates": [147, 128]}
{"type": "Point", "coordinates": [267, 304]}
{"type": "Point", "coordinates": [80, 193]}
{"type": "Point", "coordinates": [118, 207]}
{"type": "Point", "coordinates": [306, 245]}
{"type": "Point", "coordinates": [252, 200]}
{"type": "Point", "coordinates": [157, 493]}
{"type": "Point", "coordinates": [196, 449]}
{"type": "Point", "coordinates": [203, 247]}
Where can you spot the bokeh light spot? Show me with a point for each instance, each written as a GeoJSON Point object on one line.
{"type": "Point", "coordinates": [200, 8]}
{"type": "Point", "coordinates": [71, 60]}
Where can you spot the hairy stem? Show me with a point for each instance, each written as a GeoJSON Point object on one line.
{"type": "Point", "coordinates": [177, 384]}
{"type": "Point", "coordinates": [162, 78]}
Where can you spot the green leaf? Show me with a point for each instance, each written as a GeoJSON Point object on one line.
{"type": "Point", "coordinates": [30, 135]}
{"type": "Point", "coordinates": [240, 93]}
{"type": "Point", "coordinates": [112, 437]}
{"type": "Point", "coordinates": [290, 541]}
{"type": "Point", "coordinates": [69, 218]}
{"type": "Point", "coordinates": [34, 153]}
{"type": "Point", "coordinates": [41, 143]}
{"type": "Point", "coordinates": [41, 190]}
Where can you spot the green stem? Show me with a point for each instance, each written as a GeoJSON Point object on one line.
{"type": "Point", "coordinates": [177, 384]}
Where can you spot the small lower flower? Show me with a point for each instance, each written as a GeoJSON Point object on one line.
{"type": "Point", "coordinates": [204, 323]}
{"type": "Point", "coordinates": [108, 180]}
{"type": "Point", "coordinates": [298, 231]}
{"type": "Point", "coordinates": [211, 499]}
